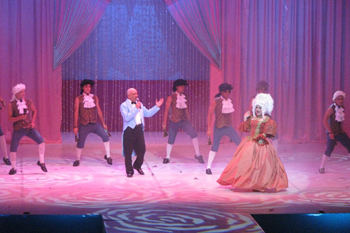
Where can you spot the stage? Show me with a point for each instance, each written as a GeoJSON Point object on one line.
{"type": "Point", "coordinates": [174, 197]}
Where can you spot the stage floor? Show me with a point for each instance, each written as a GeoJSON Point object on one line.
{"type": "Point", "coordinates": [174, 197]}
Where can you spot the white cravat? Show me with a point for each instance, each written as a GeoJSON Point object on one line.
{"type": "Point", "coordinates": [227, 106]}
{"type": "Point", "coordinates": [88, 101]}
{"type": "Point", "coordinates": [21, 106]}
{"type": "Point", "coordinates": [339, 113]}
{"type": "Point", "coordinates": [181, 101]}
{"type": "Point", "coordinates": [138, 115]}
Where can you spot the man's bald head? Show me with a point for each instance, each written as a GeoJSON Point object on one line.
{"type": "Point", "coordinates": [132, 94]}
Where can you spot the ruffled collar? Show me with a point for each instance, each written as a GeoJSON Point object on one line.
{"type": "Point", "coordinates": [88, 101]}
{"type": "Point", "coordinates": [339, 113]}
{"type": "Point", "coordinates": [180, 100]}
{"type": "Point", "coordinates": [21, 106]}
{"type": "Point", "coordinates": [227, 106]}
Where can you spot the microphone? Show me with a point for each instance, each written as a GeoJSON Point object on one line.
{"type": "Point", "coordinates": [138, 100]}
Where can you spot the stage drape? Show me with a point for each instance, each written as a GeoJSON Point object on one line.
{"type": "Point", "coordinates": [301, 48]}
{"type": "Point", "coordinates": [26, 48]}
{"type": "Point", "coordinates": [136, 44]}
{"type": "Point", "coordinates": [74, 21]}
{"type": "Point", "coordinates": [200, 20]}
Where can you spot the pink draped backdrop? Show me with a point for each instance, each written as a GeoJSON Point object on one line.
{"type": "Point", "coordinates": [301, 48]}
{"type": "Point", "coordinates": [74, 21]}
{"type": "Point", "coordinates": [26, 50]}
{"type": "Point", "coordinates": [201, 23]}
{"type": "Point", "coordinates": [34, 36]}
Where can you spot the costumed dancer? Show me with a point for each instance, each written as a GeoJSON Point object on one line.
{"type": "Point", "coordinates": [86, 111]}
{"type": "Point", "coordinates": [261, 87]}
{"type": "Point", "coordinates": [255, 164]}
{"type": "Point", "coordinates": [22, 113]}
{"type": "Point", "coordinates": [133, 113]}
{"type": "Point", "coordinates": [332, 121]}
{"type": "Point", "coordinates": [2, 136]}
{"type": "Point", "coordinates": [179, 119]}
{"type": "Point", "coordinates": [223, 108]}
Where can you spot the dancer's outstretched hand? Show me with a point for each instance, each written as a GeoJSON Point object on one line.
{"type": "Point", "coordinates": [159, 102]}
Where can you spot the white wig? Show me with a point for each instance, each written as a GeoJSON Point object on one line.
{"type": "Point", "coordinates": [19, 87]}
{"type": "Point", "coordinates": [338, 93]}
{"type": "Point", "coordinates": [265, 101]}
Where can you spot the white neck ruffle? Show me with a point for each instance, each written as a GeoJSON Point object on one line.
{"type": "Point", "coordinates": [88, 101]}
{"type": "Point", "coordinates": [339, 113]}
{"type": "Point", "coordinates": [21, 106]}
{"type": "Point", "coordinates": [181, 101]}
{"type": "Point", "coordinates": [227, 106]}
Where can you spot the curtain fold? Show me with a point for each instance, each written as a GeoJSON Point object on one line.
{"type": "Point", "coordinates": [73, 22]}
{"type": "Point", "coordinates": [300, 48]}
{"type": "Point", "coordinates": [26, 48]}
{"type": "Point", "coordinates": [200, 20]}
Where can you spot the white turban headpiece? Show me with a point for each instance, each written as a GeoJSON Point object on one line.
{"type": "Point", "coordinates": [19, 87]}
{"type": "Point", "coordinates": [338, 93]}
{"type": "Point", "coordinates": [265, 101]}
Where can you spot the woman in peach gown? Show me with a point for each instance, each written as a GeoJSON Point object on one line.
{"type": "Point", "coordinates": [255, 164]}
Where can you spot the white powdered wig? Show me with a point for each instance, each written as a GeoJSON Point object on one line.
{"type": "Point", "coordinates": [338, 93]}
{"type": "Point", "coordinates": [265, 101]}
{"type": "Point", "coordinates": [19, 87]}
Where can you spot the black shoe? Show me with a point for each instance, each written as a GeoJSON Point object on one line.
{"type": "Point", "coordinates": [321, 170]}
{"type": "Point", "coordinates": [139, 170]}
{"type": "Point", "coordinates": [166, 160]}
{"type": "Point", "coordinates": [208, 171]}
{"type": "Point", "coordinates": [6, 161]}
{"type": "Point", "coordinates": [109, 160]}
{"type": "Point", "coordinates": [200, 158]}
{"type": "Point", "coordinates": [12, 171]}
{"type": "Point", "coordinates": [42, 166]}
{"type": "Point", "coordinates": [129, 175]}
{"type": "Point", "coordinates": [76, 163]}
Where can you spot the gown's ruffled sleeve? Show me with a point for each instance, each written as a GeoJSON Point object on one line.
{"type": "Point", "coordinates": [245, 125]}
{"type": "Point", "coordinates": [270, 128]}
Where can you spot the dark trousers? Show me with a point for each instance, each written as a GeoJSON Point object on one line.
{"type": "Point", "coordinates": [95, 128]}
{"type": "Point", "coordinates": [133, 139]}
{"type": "Point", "coordinates": [342, 138]}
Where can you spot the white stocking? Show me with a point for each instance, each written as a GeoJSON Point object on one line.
{"type": "Point", "coordinates": [41, 152]}
{"type": "Point", "coordinates": [169, 147]}
{"type": "Point", "coordinates": [324, 158]}
{"type": "Point", "coordinates": [211, 158]}
{"type": "Point", "coordinates": [13, 156]}
{"type": "Point", "coordinates": [196, 146]}
{"type": "Point", "coordinates": [78, 152]}
{"type": "Point", "coordinates": [108, 150]}
{"type": "Point", "coordinates": [3, 145]}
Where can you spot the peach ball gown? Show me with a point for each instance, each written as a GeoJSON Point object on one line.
{"type": "Point", "coordinates": [255, 164]}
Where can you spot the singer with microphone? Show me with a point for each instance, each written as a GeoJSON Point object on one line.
{"type": "Point", "coordinates": [22, 113]}
{"type": "Point", "coordinates": [133, 113]}
{"type": "Point", "coordinates": [86, 112]}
